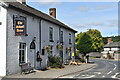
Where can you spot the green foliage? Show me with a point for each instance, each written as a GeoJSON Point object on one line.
{"type": "Point", "coordinates": [77, 53]}
{"type": "Point", "coordinates": [114, 39]}
{"type": "Point", "coordinates": [97, 41]}
{"type": "Point", "coordinates": [78, 36]}
{"type": "Point", "coordinates": [54, 62]}
{"type": "Point", "coordinates": [84, 43]}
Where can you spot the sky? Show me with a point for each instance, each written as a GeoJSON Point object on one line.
{"type": "Point", "coordinates": [82, 16]}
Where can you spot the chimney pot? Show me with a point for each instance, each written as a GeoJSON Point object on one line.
{"type": "Point", "coordinates": [22, 1]}
{"type": "Point", "coordinates": [52, 12]}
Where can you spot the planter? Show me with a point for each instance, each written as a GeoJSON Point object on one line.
{"type": "Point", "coordinates": [47, 48]}
{"type": "Point", "coordinates": [59, 47]}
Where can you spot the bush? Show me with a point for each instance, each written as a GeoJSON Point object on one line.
{"type": "Point", "coordinates": [55, 62]}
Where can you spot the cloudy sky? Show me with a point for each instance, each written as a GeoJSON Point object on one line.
{"type": "Point", "coordinates": [82, 16]}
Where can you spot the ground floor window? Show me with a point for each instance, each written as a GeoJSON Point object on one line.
{"type": "Point", "coordinates": [22, 52]}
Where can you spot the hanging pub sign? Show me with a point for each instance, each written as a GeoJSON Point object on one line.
{"type": "Point", "coordinates": [20, 25]}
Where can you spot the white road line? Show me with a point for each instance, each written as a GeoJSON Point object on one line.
{"type": "Point", "coordinates": [115, 65]}
{"type": "Point", "coordinates": [114, 68]}
{"type": "Point", "coordinates": [90, 76]}
{"type": "Point", "coordinates": [109, 72]}
{"type": "Point", "coordinates": [114, 76]}
{"type": "Point", "coordinates": [103, 76]}
{"type": "Point", "coordinates": [98, 72]}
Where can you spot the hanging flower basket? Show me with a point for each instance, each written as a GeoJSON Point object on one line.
{"type": "Point", "coordinates": [69, 48]}
{"type": "Point", "coordinates": [47, 48]}
{"type": "Point", "coordinates": [59, 46]}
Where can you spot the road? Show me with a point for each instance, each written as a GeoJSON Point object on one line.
{"type": "Point", "coordinates": [104, 69]}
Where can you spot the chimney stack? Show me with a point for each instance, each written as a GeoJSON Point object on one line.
{"type": "Point", "coordinates": [52, 12]}
{"type": "Point", "coordinates": [22, 1]}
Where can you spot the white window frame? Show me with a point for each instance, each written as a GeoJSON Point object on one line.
{"type": "Point", "coordinates": [51, 39]}
{"type": "Point", "coordinates": [22, 47]}
{"type": "Point", "coordinates": [61, 36]}
{"type": "Point", "coordinates": [70, 38]}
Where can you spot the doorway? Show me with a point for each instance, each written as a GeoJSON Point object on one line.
{"type": "Point", "coordinates": [32, 55]}
{"type": "Point", "coordinates": [61, 55]}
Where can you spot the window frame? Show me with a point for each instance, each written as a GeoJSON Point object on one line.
{"type": "Point", "coordinates": [61, 36]}
{"type": "Point", "coordinates": [22, 56]}
{"type": "Point", "coordinates": [51, 33]}
{"type": "Point", "coordinates": [70, 38]}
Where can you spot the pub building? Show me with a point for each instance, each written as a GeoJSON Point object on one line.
{"type": "Point", "coordinates": [26, 34]}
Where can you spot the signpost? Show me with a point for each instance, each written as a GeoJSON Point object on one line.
{"type": "Point", "coordinates": [20, 25]}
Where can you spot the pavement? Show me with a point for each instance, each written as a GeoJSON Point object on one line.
{"type": "Point", "coordinates": [55, 73]}
{"type": "Point", "coordinates": [1, 77]}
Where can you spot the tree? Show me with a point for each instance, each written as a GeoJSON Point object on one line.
{"type": "Point", "coordinates": [84, 43]}
{"type": "Point", "coordinates": [78, 36]}
{"type": "Point", "coordinates": [97, 41]}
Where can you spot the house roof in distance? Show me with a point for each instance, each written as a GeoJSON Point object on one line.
{"type": "Point", "coordinates": [113, 44]}
{"type": "Point", "coordinates": [38, 13]}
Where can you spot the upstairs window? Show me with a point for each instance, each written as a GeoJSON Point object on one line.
{"type": "Point", "coordinates": [51, 34]}
{"type": "Point", "coordinates": [22, 52]}
{"type": "Point", "coordinates": [70, 42]}
{"type": "Point", "coordinates": [61, 36]}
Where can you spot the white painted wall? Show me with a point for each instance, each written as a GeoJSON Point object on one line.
{"type": "Point", "coordinates": [3, 19]}
{"type": "Point", "coordinates": [32, 31]}
{"type": "Point", "coordinates": [45, 40]}
{"type": "Point", "coordinates": [13, 41]}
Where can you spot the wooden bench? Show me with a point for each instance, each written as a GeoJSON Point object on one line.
{"type": "Point", "coordinates": [26, 68]}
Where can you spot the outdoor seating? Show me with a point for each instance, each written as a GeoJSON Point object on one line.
{"type": "Point", "coordinates": [26, 68]}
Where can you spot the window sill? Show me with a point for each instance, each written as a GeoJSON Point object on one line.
{"type": "Point", "coordinates": [62, 42]}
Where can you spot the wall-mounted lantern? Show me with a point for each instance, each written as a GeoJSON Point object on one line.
{"type": "Point", "coordinates": [32, 44]}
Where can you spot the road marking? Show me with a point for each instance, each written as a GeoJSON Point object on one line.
{"type": "Point", "coordinates": [103, 76]}
{"type": "Point", "coordinates": [114, 68]}
{"type": "Point", "coordinates": [109, 72]}
{"type": "Point", "coordinates": [115, 65]}
{"type": "Point", "coordinates": [114, 76]}
{"type": "Point", "coordinates": [90, 76]}
{"type": "Point", "coordinates": [98, 72]}
{"type": "Point", "coordinates": [83, 75]}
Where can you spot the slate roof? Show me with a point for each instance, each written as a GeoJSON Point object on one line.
{"type": "Point", "coordinates": [38, 13]}
{"type": "Point", "coordinates": [113, 44]}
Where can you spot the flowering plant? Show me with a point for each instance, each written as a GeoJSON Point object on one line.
{"type": "Point", "coordinates": [59, 46]}
{"type": "Point", "coordinates": [47, 48]}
